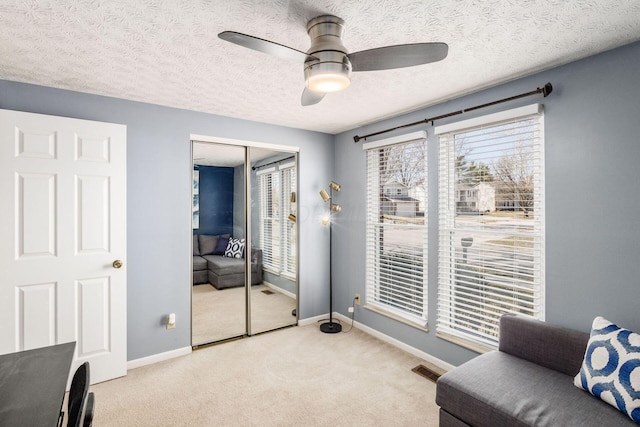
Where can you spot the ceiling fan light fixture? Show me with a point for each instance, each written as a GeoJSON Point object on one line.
{"type": "Point", "coordinates": [326, 83]}
{"type": "Point", "coordinates": [327, 77]}
{"type": "Point", "coordinates": [328, 63]}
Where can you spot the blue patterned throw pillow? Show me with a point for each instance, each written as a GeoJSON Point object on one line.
{"type": "Point", "coordinates": [235, 248]}
{"type": "Point", "coordinates": [611, 367]}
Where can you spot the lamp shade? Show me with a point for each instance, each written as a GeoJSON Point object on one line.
{"type": "Point", "coordinates": [334, 186]}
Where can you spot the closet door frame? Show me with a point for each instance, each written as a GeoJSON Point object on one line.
{"type": "Point", "coordinates": [247, 145]}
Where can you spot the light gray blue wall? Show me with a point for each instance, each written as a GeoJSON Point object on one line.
{"type": "Point", "coordinates": [592, 142]}
{"type": "Point", "coordinates": [592, 234]}
{"type": "Point", "coordinates": [158, 197]}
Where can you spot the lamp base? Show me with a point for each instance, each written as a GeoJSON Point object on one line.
{"type": "Point", "coordinates": [331, 328]}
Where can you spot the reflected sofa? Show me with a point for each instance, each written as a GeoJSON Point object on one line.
{"type": "Point", "coordinates": [211, 266]}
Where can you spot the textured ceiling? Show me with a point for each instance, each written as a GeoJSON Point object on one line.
{"type": "Point", "coordinates": [221, 155]}
{"type": "Point", "coordinates": [167, 51]}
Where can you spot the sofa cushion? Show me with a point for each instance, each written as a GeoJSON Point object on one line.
{"type": "Point", "coordinates": [207, 243]}
{"type": "Point", "coordinates": [235, 248]}
{"type": "Point", "coordinates": [196, 245]}
{"type": "Point", "coordinates": [221, 246]}
{"type": "Point", "coordinates": [542, 343]}
{"type": "Point", "coordinates": [222, 265]}
{"type": "Point", "coordinates": [611, 367]}
{"type": "Point", "coordinates": [199, 263]}
{"type": "Point", "coordinates": [498, 389]}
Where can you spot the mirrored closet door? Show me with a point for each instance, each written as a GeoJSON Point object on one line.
{"type": "Point", "coordinates": [273, 178]}
{"type": "Point", "coordinates": [218, 303]}
{"type": "Point", "coordinates": [244, 269]}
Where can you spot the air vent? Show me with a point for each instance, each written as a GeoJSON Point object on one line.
{"type": "Point", "coordinates": [427, 373]}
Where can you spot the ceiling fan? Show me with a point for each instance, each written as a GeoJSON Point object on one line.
{"type": "Point", "coordinates": [328, 64]}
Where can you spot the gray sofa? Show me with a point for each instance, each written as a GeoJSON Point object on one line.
{"type": "Point", "coordinates": [527, 382]}
{"type": "Point", "coordinates": [211, 266]}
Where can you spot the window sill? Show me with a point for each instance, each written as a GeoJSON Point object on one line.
{"type": "Point", "coordinates": [271, 271]}
{"type": "Point", "coordinates": [415, 324]}
{"type": "Point", "coordinates": [478, 348]}
{"type": "Point", "coordinates": [289, 276]}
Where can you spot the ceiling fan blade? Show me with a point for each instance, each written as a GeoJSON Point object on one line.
{"type": "Point", "coordinates": [310, 97]}
{"type": "Point", "coordinates": [399, 56]}
{"type": "Point", "coordinates": [266, 46]}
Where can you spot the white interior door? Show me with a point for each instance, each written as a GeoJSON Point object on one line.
{"type": "Point", "coordinates": [63, 222]}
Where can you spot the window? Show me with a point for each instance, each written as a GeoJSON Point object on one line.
{"type": "Point", "coordinates": [491, 253]}
{"type": "Point", "coordinates": [278, 233]}
{"type": "Point", "coordinates": [288, 174]}
{"type": "Point", "coordinates": [270, 218]}
{"type": "Point", "coordinates": [397, 227]}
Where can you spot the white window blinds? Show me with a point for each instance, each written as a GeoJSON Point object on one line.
{"type": "Point", "coordinates": [288, 173]}
{"type": "Point", "coordinates": [397, 227]}
{"type": "Point", "coordinates": [270, 219]}
{"type": "Point", "coordinates": [278, 233]}
{"type": "Point", "coordinates": [491, 248]}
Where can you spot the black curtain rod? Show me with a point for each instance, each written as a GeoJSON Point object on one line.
{"type": "Point", "coordinates": [545, 91]}
{"type": "Point", "coordinates": [272, 163]}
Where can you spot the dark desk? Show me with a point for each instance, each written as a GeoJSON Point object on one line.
{"type": "Point", "coordinates": [32, 385]}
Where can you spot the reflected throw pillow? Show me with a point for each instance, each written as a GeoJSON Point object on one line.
{"type": "Point", "coordinates": [235, 248]}
{"type": "Point", "coordinates": [221, 246]}
{"type": "Point", "coordinates": [611, 367]}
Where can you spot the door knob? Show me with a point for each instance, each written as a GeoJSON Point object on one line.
{"type": "Point", "coordinates": [117, 263]}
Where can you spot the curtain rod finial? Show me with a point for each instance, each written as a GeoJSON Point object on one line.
{"type": "Point", "coordinates": [356, 138]}
{"type": "Point", "coordinates": [547, 89]}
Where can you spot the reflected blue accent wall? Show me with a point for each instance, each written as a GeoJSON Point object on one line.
{"type": "Point", "coordinates": [216, 200]}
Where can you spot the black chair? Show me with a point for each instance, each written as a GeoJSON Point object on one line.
{"type": "Point", "coordinates": [88, 410]}
{"type": "Point", "coordinates": [78, 396]}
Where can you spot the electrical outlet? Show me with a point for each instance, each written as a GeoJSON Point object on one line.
{"type": "Point", "coordinates": [357, 298]}
{"type": "Point", "coordinates": [351, 309]}
{"type": "Point", "coordinates": [171, 321]}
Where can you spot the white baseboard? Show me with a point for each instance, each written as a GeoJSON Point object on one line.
{"type": "Point", "coordinates": [279, 289]}
{"type": "Point", "coordinates": [312, 320]}
{"type": "Point", "coordinates": [396, 343]}
{"type": "Point", "coordinates": [132, 364]}
{"type": "Point", "coordinates": [155, 358]}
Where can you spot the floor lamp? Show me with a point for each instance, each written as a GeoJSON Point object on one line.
{"type": "Point", "coordinates": [330, 327]}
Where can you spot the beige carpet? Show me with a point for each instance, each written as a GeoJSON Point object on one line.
{"type": "Point", "coordinates": [291, 377]}
{"type": "Point", "coordinates": [218, 315]}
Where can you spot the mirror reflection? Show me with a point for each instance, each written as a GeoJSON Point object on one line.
{"type": "Point", "coordinates": [218, 300]}
{"type": "Point", "coordinates": [274, 233]}
{"type": "Point", "coordinates": [230, 233]}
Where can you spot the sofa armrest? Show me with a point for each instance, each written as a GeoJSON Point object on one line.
{"type": "Point", "coordinates": [553, 347]}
